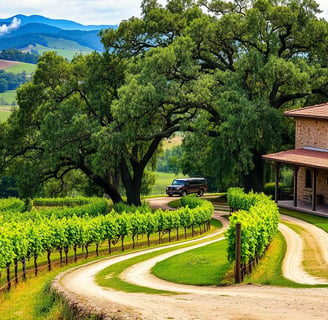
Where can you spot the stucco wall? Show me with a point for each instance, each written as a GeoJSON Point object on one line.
{"type": "Point", "coordinates": [311, 133]}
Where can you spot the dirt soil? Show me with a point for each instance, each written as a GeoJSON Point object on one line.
{"type": "Point", "coordinates": [194, 302]}
{"type": "Point", "coordinates": [4, 64]}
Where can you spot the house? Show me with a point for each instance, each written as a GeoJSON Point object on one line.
{"type": "Point", "coordinates": [309, 159]}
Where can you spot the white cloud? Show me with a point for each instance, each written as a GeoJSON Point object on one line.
{"type": "Point", "coordinates": [7, 28]}
{"type": "Point", "coordinates": [86, 11]}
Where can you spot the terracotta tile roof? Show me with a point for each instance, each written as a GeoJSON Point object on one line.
{"type": "Point", "coordinates": [305, 157]}
{"type": "Point", "coordinates": [318, 111]}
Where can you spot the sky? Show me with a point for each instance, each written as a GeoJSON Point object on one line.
{"type": "Point", "coordinates": [97, 12]}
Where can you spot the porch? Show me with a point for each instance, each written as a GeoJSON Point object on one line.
{"type": "Point", "coordinates": [313, 160]}
{"type": "Point", "coordinates": [303, 206]}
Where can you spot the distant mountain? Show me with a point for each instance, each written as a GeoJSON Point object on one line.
{"type": "Point", "coordinates": [62, 24]}
{"type": "Point", "coordinates": [42, 33]}
{"type": "Point", "coordinates": [38, 28]}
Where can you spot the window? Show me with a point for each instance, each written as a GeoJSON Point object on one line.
{"type": "Point", "coordinates": [308, 178]}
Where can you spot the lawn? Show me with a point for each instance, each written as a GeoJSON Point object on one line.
{"type": "Point", "coordinates": [110, 276]}
{"type": "Point", "coordinates": [22, 66]}
{"type": "Point", "coordinates": [320, 222]}
{"type": "Point", "coordinates": [202, 266]}
{"type": "Point", "coordinates": [163, 180]}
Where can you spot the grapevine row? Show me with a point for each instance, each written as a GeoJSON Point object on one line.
{"type": "Point", "coordinates": [259, 218]}
{"type": "Point", "coordinates": [32, 238]}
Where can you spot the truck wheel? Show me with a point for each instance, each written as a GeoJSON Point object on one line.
{"type": "Point", "coordinates": [200, 192]}
{"type": "Point", "coordinates": [183, 193]}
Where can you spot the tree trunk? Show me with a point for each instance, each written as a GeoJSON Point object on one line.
{"type": "Point", "coordinates": [131, 184]}
{"type": "Point", "coordinates": [49, 262]}
{"type": "Point", "coordinates": [97, 249]}
{"type": "Point", "coordinates": [159, 237]}
{"type": "Point", "coordinates": [108, 187]}
{"type": "Point", "coordinates": [8, 277]}
{"type": "Point", "coordinates": [16, 270]}
{"type": "Point", "coordinates": [185, 232]}
{"type": "Point", "coordinates": [75, 257]}
{"type": "Point", "coordinates": [177, 234]}
{"type": "Point", "coordinates": [122, 239]}
{"type": "Point", "coordinates": [61, 256]}
{"type": "Point", "coordinates": [169, 235]}
{"type": "Point", "coordinates": [66, 254]}
{"type": "Point", "coordinates": [35, 265]}
{"type": "Point", "coordinates": [148, 236]}
{"type": "Point", "coordinates": [254, 179]}
{"type": "Point", "coordinates": [133, 242]}
{"type": "Point", "coordinates": [86, 251]}
{"type": "Point", "coordinates": [24, 268]}
{"type": "Point", "coordinates": [200, 228]}
{"type": "Point", "coordinates": [192, 230]}
{"type": "Point", "coordinates": [109, 246]}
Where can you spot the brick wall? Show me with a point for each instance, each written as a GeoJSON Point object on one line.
{"type": "Point", "coordinates": [311, 133]}
{"type": "Point", "coordinates": [322, 186]}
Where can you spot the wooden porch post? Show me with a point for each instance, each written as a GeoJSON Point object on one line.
{"type": "Point", "coordinates": [276, 189]}
{"type": "Point", "coordinates": [314, 189]}
{"type": "Point", "coordinates": [295, 184]}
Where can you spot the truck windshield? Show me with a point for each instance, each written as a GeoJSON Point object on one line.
{"type": "Point", "coordinates": [178, 183]}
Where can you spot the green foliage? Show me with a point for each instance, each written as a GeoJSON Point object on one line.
{"type": "Point", "coordinates": [269, 188]}
{"type": "Point", "coordinates": [238, 200]}
{"type": "Point", "coordinates": [12, 204]}
{"type": "Point", "coordinates": [67, 201]}
{"type": "Point", "coordinates": [11, 81]}
{"type": "Point", "coordinates": [18, 55]}
{"type": "Point", "coordinates": [170, 161]}
{"type": "Point", "coordinates": [191, 200]}
{"type": "Point", "coordinates": [123, 207]}
{"type": "Point", "coordinates": [259, 218]}
{"type": "Point", "coordinates": [29, 234]}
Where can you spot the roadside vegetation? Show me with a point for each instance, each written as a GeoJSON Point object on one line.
{"type": "Point", "coordinates": [318, 221]}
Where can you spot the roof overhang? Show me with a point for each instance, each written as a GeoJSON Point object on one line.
{"type": "Point", "coordinates": [304, 157]}
{"type": "Point", "coordinates": [318, 111]}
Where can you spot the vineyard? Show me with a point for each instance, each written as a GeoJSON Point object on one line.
{"type": "Point", "coordinates": [82, 222]}
{"type": "Point", "coordinates": [259, 218]}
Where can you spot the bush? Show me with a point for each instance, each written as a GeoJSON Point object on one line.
{"type": "Point", "coordinates": [269, 188]}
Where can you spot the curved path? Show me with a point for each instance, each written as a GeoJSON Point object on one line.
{"type": "Point", "coordinates": [193, 302]}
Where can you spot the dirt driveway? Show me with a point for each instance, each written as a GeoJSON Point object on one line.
{"type": "Point", "coordinates": [191, 302]}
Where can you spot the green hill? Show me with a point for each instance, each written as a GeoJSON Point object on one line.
{"type": "Point", "coordinates": [22, 66]}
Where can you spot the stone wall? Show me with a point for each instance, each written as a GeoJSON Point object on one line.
{"type": "Point", "coordinates": [322, 186]}
{"type": "Point", "coordinates": [311, 133]}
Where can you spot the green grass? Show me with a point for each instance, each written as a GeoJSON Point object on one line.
{"type": "Point", "coordinates": [203, 266]}
{"type": "Point", "coordinates": [110, 277]}
{"type": "Point", "coordinates": [269, 270]}
{"type": "Point", "coordinates": [320, 222]}
{"type": "Point", "coordinates": [22, 66]}
{"type": "Point", "coordinates": [8, 97]}
{"type": "Point", "coordinates": [65, 53]}
{"type": "Point", "coordinates": [4, 115]}
{"type": "Point", "coordinates": [32, 300]}
{"type": "Point", "coordinates": [163, 180]}
{"type": "Point", "coordinates": [64, 44]}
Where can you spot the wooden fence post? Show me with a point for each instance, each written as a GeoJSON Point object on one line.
{"type": "Point", "coordinates": [238, 253]}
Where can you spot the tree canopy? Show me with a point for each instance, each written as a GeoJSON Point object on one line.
{"type": "Point", "coordinates": [222, 71]}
